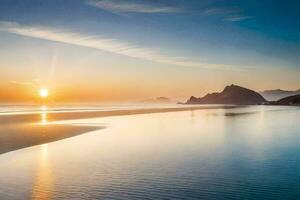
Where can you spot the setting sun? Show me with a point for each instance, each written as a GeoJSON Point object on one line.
{"type": "Point", "coordinates": [43, 92]}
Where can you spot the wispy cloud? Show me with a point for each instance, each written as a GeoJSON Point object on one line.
{"type": "Point", "coordinates": [106, 44]}
{"type": "Point", "coordinates": [125, 6]}
{"type": "Point", "coordinates": [29, 83]}
{"type": "Point", "coordinates": [237, 18]}
{"type": "Point", "coordinates": [232, 14]}
{"type": "Point", "coordinates": [221, 11]}
{"type": "Point", "coordinates": [32, 84]}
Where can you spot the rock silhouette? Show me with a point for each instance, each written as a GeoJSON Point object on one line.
{"type": "Point", "coordinates": [232, 94]}
{"type": "Point", "coordinates": [291, 100]}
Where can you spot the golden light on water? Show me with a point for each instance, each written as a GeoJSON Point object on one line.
{"type": "Point", "coordinates": [43, 184]}
{"type": "Point", "coordinates": [43, 118]}
{"type": "Point", "coordinates": [43, 92]}
{"type": "Point", "coordinates": [44, 115]}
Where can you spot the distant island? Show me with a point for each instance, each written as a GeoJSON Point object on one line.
{"type": "Point", "coordinates": [158, 100]}
{"type": "Point", "coordinates": [291, 100]}
{"type": "Point", "coordinates": [274, 95]}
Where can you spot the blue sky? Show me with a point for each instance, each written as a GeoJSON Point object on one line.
{"type": "Point", "coordinates": [230, 40]}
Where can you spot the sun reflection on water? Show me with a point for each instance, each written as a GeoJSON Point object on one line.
{"type": "Point", "coordinates": [44, 115]}
{"type": "Point", "coordinates": [42, 187]}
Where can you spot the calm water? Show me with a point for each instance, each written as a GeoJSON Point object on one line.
{"type": "Point", "coordinates": [240, 153]}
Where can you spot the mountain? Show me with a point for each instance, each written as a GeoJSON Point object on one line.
{"type": "Point", "coordinates": [232, 94]}
{"type": "Point", "coordinates": [291, 100]}
{"type": "Point", "coordinates": [274, 95]}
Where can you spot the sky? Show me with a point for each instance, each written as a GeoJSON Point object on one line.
{"type": "Point", "coordinates": [130, 50]}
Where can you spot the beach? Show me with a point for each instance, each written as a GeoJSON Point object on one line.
{"type": "Point", "coordinates": [20, 129]}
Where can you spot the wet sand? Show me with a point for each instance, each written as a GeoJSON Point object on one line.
{"type": "Point", "coordinates": [13, 137]}
{"type": "Point", "coordinates": [28, 129]}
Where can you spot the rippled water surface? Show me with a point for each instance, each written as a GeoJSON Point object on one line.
{"type": "Point", "coordinates": [240, 153]}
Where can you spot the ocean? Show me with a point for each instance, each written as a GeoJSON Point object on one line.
{"type": "Point", "coordinates": [244, 152]}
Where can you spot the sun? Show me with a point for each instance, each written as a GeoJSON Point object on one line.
{"type": "Point", "coordinates": [43, 92]}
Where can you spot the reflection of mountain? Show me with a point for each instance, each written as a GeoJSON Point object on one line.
{"type": "Point", "coordinates": [291, 100]}
{"type": "Point", "coordinates": [274, 95]}
{"type": "Point", "coordinates": [232, 94]}
{"type": "Point", "coordinates": [158, 100]}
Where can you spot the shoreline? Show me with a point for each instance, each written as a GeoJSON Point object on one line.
{"type": "Point", "coordinates": [18, 131]}
{"type": "Point", "coordinates": [53, 116]}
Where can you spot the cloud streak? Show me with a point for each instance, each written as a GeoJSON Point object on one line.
{"type": "Point", "coordinates": [121, 6]}
{"type": "Point", "coordinates": [231, 14]}
{"type": "Point", "coordinates": [106, 44]}
{"type": "Point", "coordinates": [237, 18]}
{"type": "Point", "coordinates": [221, 11]}
{"type": "Point", "coordinates": [23, 83]}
